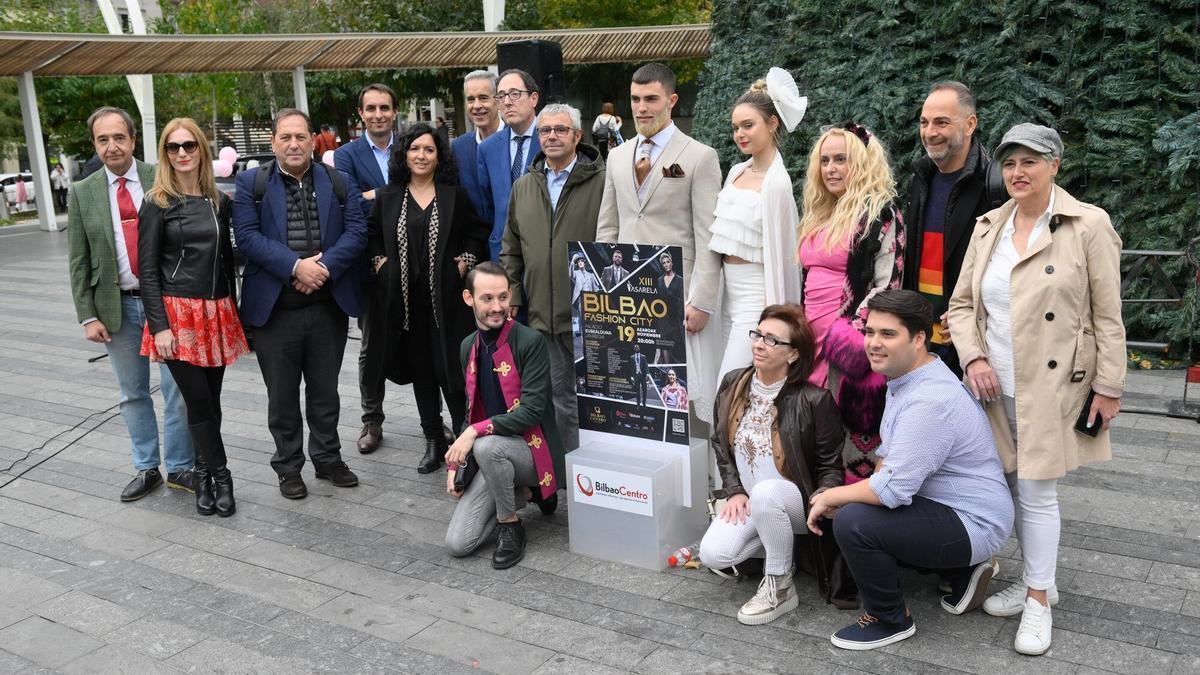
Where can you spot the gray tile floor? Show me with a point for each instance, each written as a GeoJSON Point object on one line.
{"type": "Point", "coordinates": [356, 580]}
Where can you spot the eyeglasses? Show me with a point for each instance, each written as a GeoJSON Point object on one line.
{"type": "Point", "coordinates": [557, 131]}
{"type": "Point", "coordinates": [770, 340]}
{"type": "Point", "coordinates": [189, 147]}
{"type": "Point", "coordinates": [515, 94]}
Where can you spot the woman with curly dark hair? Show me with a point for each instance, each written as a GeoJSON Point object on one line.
{"type": "Point", "coordinates": [423, 235]}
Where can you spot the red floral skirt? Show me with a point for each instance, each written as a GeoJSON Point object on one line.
{"type": "Point", "coordinates": [207, 332]}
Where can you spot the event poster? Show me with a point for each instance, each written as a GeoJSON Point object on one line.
{"type": "Point", "coordinates": [630, 357]}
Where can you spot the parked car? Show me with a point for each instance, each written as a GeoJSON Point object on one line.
{"type": "Point", "coordinates": [9, 181]}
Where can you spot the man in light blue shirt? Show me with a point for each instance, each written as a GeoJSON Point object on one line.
{"type": "Point", "coordinates": [937, 499]}
{"type": "Point", "coordinates": [557, 202]}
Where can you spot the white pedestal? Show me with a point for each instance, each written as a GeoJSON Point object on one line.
{"type": "Point", "coordinates": [626, 504]}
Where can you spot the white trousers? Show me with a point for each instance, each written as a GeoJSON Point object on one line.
{"type": "Point", "coordinates": [777, 512]}
{"type": "Point", "coordinates": [745, 297]}
{"type": "Point", "coordinates": [1038, 521]}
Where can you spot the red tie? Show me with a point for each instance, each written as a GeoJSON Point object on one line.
{"type": "Point", "coordinates": [129, 223]}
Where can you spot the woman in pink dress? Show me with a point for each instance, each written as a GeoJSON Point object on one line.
{"type": "Point", "coordinates": [851, 246]}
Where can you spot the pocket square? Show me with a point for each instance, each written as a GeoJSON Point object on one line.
{"type": "Point", "coordinates": [673, 171]}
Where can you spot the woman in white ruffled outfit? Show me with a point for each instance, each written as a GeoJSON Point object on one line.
{"type": "Point", "coordinates": [756, 216]}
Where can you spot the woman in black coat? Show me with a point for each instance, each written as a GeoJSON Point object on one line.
{"type": "Point", "coordinates": [777, 439]}
{"type": "Point", "coordinates": [423, 236]}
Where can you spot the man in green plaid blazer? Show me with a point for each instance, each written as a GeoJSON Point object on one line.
{"type": "Point", "coordinates": [102, 260]}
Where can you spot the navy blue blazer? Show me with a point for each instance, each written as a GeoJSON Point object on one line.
{"type": "Point", "coordinates": [466, 157]}
{"type": "Point", "coordinates": [357, 160]}
{"type": "Point", "coordinates": [269, 261]}
{"type": "Point", "coordinates": [494, 167]}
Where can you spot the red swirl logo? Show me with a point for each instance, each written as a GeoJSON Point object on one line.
{"type": "Point", "coordinates": [585, 484]}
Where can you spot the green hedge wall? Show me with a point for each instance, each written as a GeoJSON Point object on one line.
{"type": "Point", "coordinates": [1120, 80]}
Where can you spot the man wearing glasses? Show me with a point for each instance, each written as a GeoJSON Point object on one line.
{"type": "Point", "coordinates": [558, 201]}
{"type": "Point", "coordinates": [479, 93]}
{"type": "Point", "coordinates": [506, 155]}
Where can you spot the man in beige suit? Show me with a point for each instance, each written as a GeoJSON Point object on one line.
{"type": "Point", "coordinates": [661, 188]}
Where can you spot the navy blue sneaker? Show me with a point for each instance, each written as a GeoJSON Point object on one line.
{"type": "Point", "coordinates": [969, 592]}
{"type": "Point", "coordinates": [871, 633]}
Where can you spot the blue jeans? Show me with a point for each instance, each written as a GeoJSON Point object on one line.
{"type": "Point", "coordinates": [137, 408]}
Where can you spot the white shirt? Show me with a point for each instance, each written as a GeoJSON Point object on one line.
{"type": "Point", "coordinates": [133, 183]}
{"type": "Point", "coordinates": [994, 290]}
{"type": "Point", "coordinates": [658, 144]}
{"type": "Point", "coordinates": [754, 440]}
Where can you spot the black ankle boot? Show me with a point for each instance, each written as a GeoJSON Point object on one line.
{"type": "Point", "coordinates": [510, 545]}
{"type": "Point", "coordinates": [207, 438]}
{"type": "Point", "coordinates": [205, 502]}
{"type": "Point", "coordinates": [223, 491]}
{"type": "Point", "coordinates": [435, 454]}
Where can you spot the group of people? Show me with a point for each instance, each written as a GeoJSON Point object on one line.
{"type": "Point", "coordinates": [827, 345]}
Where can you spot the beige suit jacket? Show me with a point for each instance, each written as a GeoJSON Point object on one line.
{"type": "Point", "coordinates": [676, 211]}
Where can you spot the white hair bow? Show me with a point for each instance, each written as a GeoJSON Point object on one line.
{"type": "Point", "coordinates": [786, 96]}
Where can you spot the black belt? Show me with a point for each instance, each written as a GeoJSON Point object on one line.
{"type": "Point", "coordinates": [133, 292]}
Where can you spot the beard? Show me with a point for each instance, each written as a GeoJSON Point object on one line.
{"type": "Point", "coordinates": [656, 125]}
{"type": "Point", "coordinates": [950, 148]}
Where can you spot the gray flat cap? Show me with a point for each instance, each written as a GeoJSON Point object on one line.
{"type": "Point", "coordinates": [1040, 139]}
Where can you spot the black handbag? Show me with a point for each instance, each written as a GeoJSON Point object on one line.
{"type": "Point", "coordinates": [465, 473]}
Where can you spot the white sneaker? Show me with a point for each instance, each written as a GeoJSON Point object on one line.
{"type": "Point", "coordinates": [1011, 601]}
{"type": "Point", "coordinates": [775, 597]}
{"type": "Point", "coordinates": [1033, 637]}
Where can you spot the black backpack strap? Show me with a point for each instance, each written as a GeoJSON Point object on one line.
{"type": "Point", "coordinates": [339, 183]}
{"type": "Point", "coordinates": [264, 172]}
{"type": "Point", "coordinates": [260, 182]}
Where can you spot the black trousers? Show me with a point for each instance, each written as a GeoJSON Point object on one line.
{"type": "Point", "coordinates": [428, 372]}
{"type": "Point", "coordinates": [308, 343]}
{"type": "Point", "coordinates": [200, 387]}
{"type": "Point", "coordinates": [877, 541]}
{"type": "Point", "coordinates": [372, 353]}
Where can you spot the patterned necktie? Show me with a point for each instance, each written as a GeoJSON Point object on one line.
{"type": "Point", "coordinates": [642, 168]}
{"type": "Point", "coordinates": [129, 223]}
{"type": "Point", "coordinates": [518, 164]}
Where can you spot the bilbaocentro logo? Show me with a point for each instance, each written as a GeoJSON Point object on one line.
{"type": "Point", "coordinates": [585, 484]}
{"type": "Point", "coordinates": [588, 488]}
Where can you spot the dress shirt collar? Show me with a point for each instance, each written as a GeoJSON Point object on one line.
{"type": "Point", "coordinates": [1043, 220]}
{"type": "Point", "coordinates": [387, 150]}
{"type": "Point", "coordinates": [663, 136]}
{"type": "Point", "coordinates": [551, 173]}
{"type": "Point", "coordinates": [898, 385]}
{"type": "Point", "coordinates": [131, 174]}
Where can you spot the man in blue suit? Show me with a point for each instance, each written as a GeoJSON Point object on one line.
{"type": "Point", "coordinates": [506, 155]}
{"type": "Point", "coordinates": [303, 241]}
{"type": "Point", "coordinates": [365, 161]}
{"type": "Point", "coordinates": [479, 93]}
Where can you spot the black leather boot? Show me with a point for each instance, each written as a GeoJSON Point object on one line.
{"type": "Point", "coordinates": [205, 502]}
{"type": "Point", "coordinates": [510, 545]}
{"type": "Point", "coordinates": [207, 438]}
{"type": "Point", "coordinates": [435, 454]}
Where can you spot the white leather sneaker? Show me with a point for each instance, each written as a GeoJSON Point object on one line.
{"type": "Point", "coordinates": [775, 597]}
{"type": "Point", "coordinates": [1011, 601]}
{"type": "Point", "coordinates": [1033, 636]}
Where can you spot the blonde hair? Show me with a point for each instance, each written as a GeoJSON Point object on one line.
{"type": "Point", "coordinates": [166, 183]}
{"type": "Point", "coordinates": [870, 188]}
{"type": "Point", "coordinates": [760, 100]}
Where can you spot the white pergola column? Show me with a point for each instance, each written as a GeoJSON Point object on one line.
{"type": "Point", "coordinates": [142, 86]}
{"type": "Point", "coordinates": [493, 16]}
{"type": "Point", "coordinates": [300, 92]}
{"type": "Point", "coordinates": [37, 153]}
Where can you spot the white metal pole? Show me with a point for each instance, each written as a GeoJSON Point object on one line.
{"type": "Point", "coordinates": [301, 92]}
{"type": "Point", "coordinates": [37, 152]}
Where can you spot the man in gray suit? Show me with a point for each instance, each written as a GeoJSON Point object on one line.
{"type": "Point", "coordinates": [661, 188]}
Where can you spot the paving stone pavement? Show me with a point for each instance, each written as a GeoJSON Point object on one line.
{"type": "Point", "coordinates": [356, 580]}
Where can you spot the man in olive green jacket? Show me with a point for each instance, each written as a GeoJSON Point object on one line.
{"type": "Point", "coordinates": [102, 260]}
{"type": "Point", "coordinates": [557, 202]}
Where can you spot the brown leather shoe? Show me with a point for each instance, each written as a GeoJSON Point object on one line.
{"type": "Point", "coordinates": [369, 438]}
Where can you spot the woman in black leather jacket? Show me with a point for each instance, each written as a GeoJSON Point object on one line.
{"type": "Point", "coordinates": [778, 441]}
{"type": "Point", "coordinates": [185, 261]}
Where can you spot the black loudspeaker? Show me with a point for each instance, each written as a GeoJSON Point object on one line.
{"type": "Point", "coordinates": [540, 58]}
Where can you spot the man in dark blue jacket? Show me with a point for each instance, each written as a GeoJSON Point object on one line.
{"type": "Point", "coordinates": [365, 161]}
{"type": "Point", "coordinates": [303, 239]}
{"type": "Point", "coordinates": [479, 94]}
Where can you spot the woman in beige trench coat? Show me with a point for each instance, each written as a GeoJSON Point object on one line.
{"type": "Point", "coordinates": [1036, 320]}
